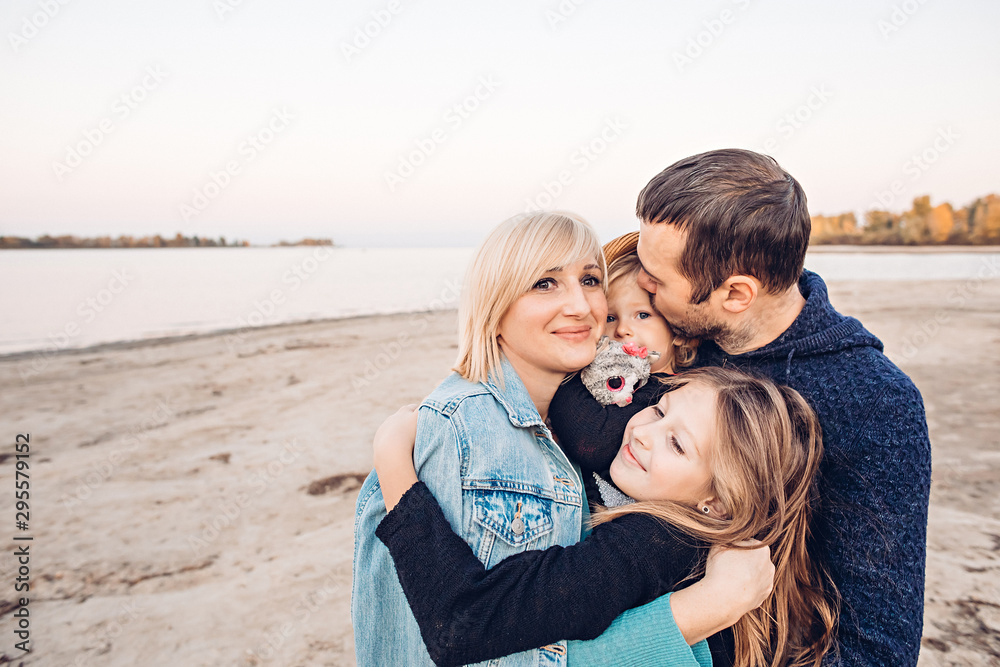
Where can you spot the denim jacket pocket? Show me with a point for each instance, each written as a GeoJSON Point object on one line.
{"type": "Point", "coordinates": [515, 518]}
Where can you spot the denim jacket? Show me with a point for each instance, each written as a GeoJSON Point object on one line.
{"type": "Point", "coordinates": [503, 484]}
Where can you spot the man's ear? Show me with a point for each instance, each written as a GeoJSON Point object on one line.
{"type": "Point", "coordinates": [739, 293]}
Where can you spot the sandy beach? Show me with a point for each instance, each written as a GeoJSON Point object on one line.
{"type": "Point", "coordinates": [192, 499]}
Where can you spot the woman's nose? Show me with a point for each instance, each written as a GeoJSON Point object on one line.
{"type": "Point", "coordinates": [576, 303]}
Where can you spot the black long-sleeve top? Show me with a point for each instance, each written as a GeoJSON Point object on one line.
{"type": "Point", "coordinates": [467, 613]}
{"type": "Point", "coordinates": [591, 433]}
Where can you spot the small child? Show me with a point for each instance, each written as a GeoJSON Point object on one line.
{"type": "Point", "coordinates": [632, 318]}
{"type": "Point", "coordinates": [588, 430]}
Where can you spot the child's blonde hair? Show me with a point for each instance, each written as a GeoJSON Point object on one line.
{"type": "Point", "coordinates": [626, 267]}
{"type": "Point", "coordinates": [518, 252]}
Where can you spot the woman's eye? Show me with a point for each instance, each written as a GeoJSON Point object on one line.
{"type": "Point", "coordinates": [658, 412]}
{"type": "Point", "coordinates": [676, 445]}
{"type": "Point", "coordinates": [592, 281]}
{"type": "Point", "coordinates": [544, 283]}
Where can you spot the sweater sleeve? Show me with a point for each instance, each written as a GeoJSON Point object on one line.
{"type": "Point", "coordinates": [591, 433]}
{"type": "Point", "coordinates": [467, 613]}
{"type": "Point", "coordinates": [872, 532]}
{"type": "Point", "coordinates": [646, 636]}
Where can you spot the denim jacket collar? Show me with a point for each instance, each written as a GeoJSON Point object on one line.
{"type": "Point", "coordinates": [514, 396]}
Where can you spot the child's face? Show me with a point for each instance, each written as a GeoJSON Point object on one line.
{"type": "Point", "coordinates": [632, 319]}
{"type": "Point", "coordinates": [667, 447]}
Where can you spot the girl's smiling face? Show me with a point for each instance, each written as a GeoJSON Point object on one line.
{"type": "Point", "coordinates": [667, 449]}
{"type": "Point", "coordinates": [632, 319]}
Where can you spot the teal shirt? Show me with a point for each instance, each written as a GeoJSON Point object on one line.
{"type": "Point", "coordinates": [646, 636]}
{"type": "Point", "coordinates": [642, 637]}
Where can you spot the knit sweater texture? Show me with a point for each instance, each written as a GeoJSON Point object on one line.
{"type": "Point", "coordinates": [871, 528]}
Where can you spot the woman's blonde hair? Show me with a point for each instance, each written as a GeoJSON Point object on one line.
{"type": "Point", "coordinates": [626, 267]}
{"type": "Point", "coordinates": [764, 464]}
{"type": "Point", "coordinates": [513, 257]}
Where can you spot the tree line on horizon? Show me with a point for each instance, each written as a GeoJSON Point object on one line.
{"type": "Point", "coordinates": [975, 224]}
{"type": "Point", "coordinates": [126, 241]}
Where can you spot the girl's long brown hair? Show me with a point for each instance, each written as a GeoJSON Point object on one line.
{"type": "Point", "coordinates": [764, 465]}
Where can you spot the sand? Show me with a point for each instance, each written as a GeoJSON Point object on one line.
{"type": "Point", "coordinates": [192, 499]}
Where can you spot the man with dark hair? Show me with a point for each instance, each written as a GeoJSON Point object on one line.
{"type": "Point", "coordinates": [722, 242]}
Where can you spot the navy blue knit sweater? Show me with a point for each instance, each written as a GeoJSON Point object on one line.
{"type": "Point", "coordinates": [871, 528]}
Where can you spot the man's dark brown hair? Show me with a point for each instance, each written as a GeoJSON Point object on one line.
{"type": "Point", "coordinates": [743, 214]}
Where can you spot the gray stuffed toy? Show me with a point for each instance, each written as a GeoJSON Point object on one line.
{"type": "Point", "coordinates": [617, 371]}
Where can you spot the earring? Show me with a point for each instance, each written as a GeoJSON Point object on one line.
{"type": "Point", "coordinates": [706, 509]}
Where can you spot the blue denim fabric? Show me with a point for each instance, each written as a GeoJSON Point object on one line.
{"type": "Point", "coordinates": [505, 487]}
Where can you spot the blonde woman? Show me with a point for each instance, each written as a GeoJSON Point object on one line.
{"type": "Point", "coordinates": [533, 309]}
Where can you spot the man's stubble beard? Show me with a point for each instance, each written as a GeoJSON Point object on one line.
{"type": "Point", "coordinates": [699, 325]}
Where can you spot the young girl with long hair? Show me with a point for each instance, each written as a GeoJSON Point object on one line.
{"type": "Point", "coordinates": [723, 457]}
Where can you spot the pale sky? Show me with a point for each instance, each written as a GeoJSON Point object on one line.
{"type": "Point", "coordinates": [121, 117]}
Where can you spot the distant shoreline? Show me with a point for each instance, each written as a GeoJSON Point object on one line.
{"type": "Point", "coordinates": [133, 343]}
{"type": "Point", "coordinates": [836, 263]}
{"type": "Point", "coordinates": [375, 318]}
{"type": "Point", "coordinates": [848, 248]}
{"type": "Point", "coordinates": [907, 249]}
{"type": "Point", "coordinates": [125, 241]}
{"type": "Point", "coordinates": [178, 247]}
